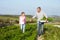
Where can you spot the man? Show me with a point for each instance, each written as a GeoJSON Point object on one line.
{"type": "Point", "coordinates": [39, 15]}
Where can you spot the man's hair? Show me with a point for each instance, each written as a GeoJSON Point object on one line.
{"type": "Point", "coordinates": [39, 7]}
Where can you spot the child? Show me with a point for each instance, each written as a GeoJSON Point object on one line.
{"type": "Point", "coordinates": [40, 14]}
{"type": "Point", "coordinates": [22, 21]}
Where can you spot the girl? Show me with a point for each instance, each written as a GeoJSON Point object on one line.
{"type": "Point", "coordinates": [22, 21]}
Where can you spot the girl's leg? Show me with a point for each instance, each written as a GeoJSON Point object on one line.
{"type": "Point", "coordinates": [23, 28]}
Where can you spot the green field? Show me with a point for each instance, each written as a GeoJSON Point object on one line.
{"type": "Point", "coordinates": [13, 32]}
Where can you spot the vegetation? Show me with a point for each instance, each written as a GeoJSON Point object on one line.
{"type": "Point", "coordinates": [51, 33]}
{"type": "Point", "coordinates": [13, 32]}
{"type": "Point", "coordinates": [50, 19]}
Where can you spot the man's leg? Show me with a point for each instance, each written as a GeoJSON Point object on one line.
{"type": "Point", "coordinates": [39, 28]}
{"type": "Point", "coordinates": [42, 27]}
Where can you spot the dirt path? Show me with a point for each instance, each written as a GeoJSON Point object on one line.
{"type": "Point", "coordinates": [57, 26]}
{"type": "Point", "coordinates": [40, 38]}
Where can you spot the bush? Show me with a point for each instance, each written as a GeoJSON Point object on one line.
{"type": "Point", "coordinates": [13, 32]}
{"type": "Point", "coordinates": [50, 19]}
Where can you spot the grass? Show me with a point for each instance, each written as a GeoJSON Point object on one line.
{"type": "Point", "coordinates": [13, 32]}
{"type": "Point", "coordinates": [51, 33]}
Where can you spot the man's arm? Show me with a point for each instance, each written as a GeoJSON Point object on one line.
{"type": "Point", "coordinates": [34, 16]}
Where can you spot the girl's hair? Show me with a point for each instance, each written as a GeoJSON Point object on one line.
{"type": "Point", "coordinates": [39, 7]}
{"type": "Point", "coordinates": [22, 13]}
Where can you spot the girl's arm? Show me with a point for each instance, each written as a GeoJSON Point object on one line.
{"type": "Point", "coordinates": [19, 19]}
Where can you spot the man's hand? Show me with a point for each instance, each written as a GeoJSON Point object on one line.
{"type": "Point", "coordinates": [31, 20]}
{"type": "Point", "coordinates": [46, 20]}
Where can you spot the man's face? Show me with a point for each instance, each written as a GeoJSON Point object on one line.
{"type": "Point", "coordinates": [38, 10]}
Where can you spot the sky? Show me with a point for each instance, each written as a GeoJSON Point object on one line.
{"type": "Point", "coordinates": [15, 7]}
